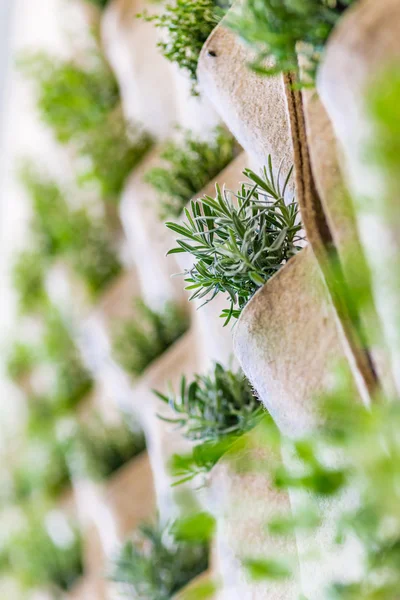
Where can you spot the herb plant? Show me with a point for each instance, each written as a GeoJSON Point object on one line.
{"type": "Point", "coordinates": [50, 218]}
{"type": "Point", "coordinates": [109, 154]}
{"type": "Point", "coordinates": [41, 471]}
{"type": "Point", "coordinates": [73, 381]}
{"type": "Point", "coordinates": [60, 231]}
{"type": "Point", "coordinates": [279, 30]}
{"type": "Point", "coordinates": [192, 163]}
{"type": "Point", "coordinates": [99, 449]}
{"type": "Point", "coordinates": [213, 406]}
{"type": "Point", "coordinates": [72, 100]}
{"type": "Point", "coordinates": [143, 338]}
{"type": "Point", "coordinates": [187, 24]}
{"type": "Point", "coordinates": [91, 252]}
{"type": "Point", "coordinates": [239, 240]}
{"type": "Point", "coordinates": [154, 565]}
{"type": "Point", "coordinates": [46, 552]}
{"type": "Point", "coordinates": [28, 276]}
{"type": "Point", "coordinates": [81, 107]}
{"type": "Point", "coordinates": [22, 358]}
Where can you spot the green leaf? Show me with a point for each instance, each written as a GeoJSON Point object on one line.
{"type": "Point", "coordinates": [260, 569]}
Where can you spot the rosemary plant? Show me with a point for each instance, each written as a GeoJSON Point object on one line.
{"type": "Point", "coordinates": [239, 240]}
{"type": "Point", "coordinates": [278, 31]}
{"type": "Point", "coordinates": [187, 24]}
{"type": "Point", "coordinates": [154, 565]}
{"type": "Point", "coordinates": [98, 449]}
{"type": "Point", "coordinates": [142, 339]}
{"type": "Point", "coordinates": [213, 406]}
{"type": "Point", "coordinates": [192, 163]}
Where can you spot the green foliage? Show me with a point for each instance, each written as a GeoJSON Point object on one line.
{"type": "Point", "coordinates": [28, 277]}
{"type": "Point", "coordinates": [91, 253]}
{"type": "Point", "coordinates": [261, 569]}
{"type": "Point", "coordinates": [239, 240]}
{"type": "Point", "coordinates": [140, 340]}
{"type": "Point", "coordinates": [278, 30]}
{"type": "Point", "coordinates": [50, 221]}
{"type": "Point", "coordinates": [197, 527]}
{"type": "Point", "coordinates": [214, 405]}
{"type": "Point", "coordinates": [110, 153]}
{"type": "Point", "coordinates": [81, 106]}
{"type": "Point", "coordinates": [98, 449]}
{"type": "Point", "coordinates": [100, 3]}
{"type": "Point", "coordinates": [72, 100]}
{"type": "Point", "coordinates": [73, 381]}
{"type": "Point", "coordinates": [21, 359]}
{"type": "Point", "coordinates": [38, 558]}
{"type": "Point", "coordinates": [187, 24]}
{"type": "Point", "coordinates": [60, 231]}
{"type": "Point", "coordinates": [192, 163]}
{"type": "Point", "coordinates": [41, 471]}
{"type": "Point", "coordinates": [202, 459]}
{"type": "Point", "coordinates": [156, 566]}
{"type": "Point", "coordinates": [383, 107]}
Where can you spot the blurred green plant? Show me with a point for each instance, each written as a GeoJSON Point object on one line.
{"type": "Point", "coordinates": [138, 341]}
{"type": "Point", "coordinates": [21, 359]}
{"type": "Point", "coordinates": [73, 234]}
{"type": "Point", "coordinates": [100, 3]}
{"type": "Point", "coordinates": [98, 449]}
{"type": "Point", "coordinates": [92, 254]}
{"type": "Point", "coordinates": [73, 381]}
{"type": "Point", "coordinates": [28, 278]}
{"type": "Point", "coordinates": [80, 104]}
{"type": "Point", "coordinates": [50, 212]}
{"type": "Point", "coordinates": [192, 163]}
{"type": "Point", "coordinates": [187, 25]}
{"type": "Point", "coordinates": [41, 471]}
{"type": "Point", "coordinates": [214, 405]}
{"type": "Point", "coordinates": [279, 31]}
{"type": "Point", "coordinates": [155, 565]}
{"type": "Point", "coordinates": [239, 240]}
{"type": "Point", "coordinates": [202, 459]}
{"type": "Point", "coordinates": [44, 552]}
{"type": "Point", "coordinates": [72, 100]}
{"type": "Point", "coordinates": [109, 154]}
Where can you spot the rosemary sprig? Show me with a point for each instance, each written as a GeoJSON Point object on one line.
{"type": "Point", "coordinates": [214, 405]}
{"type": "Point", "coordinates": [239, 240]}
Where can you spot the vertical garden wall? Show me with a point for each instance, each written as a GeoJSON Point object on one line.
{"type": "Point", "coordinates": [208, 336]}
